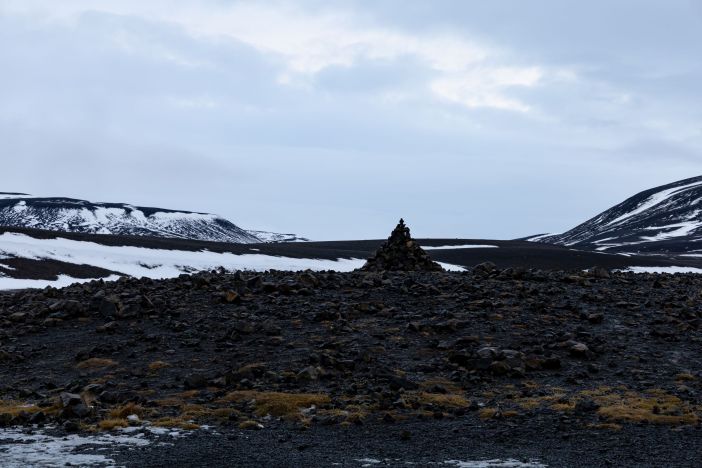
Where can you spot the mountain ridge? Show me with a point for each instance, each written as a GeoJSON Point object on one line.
{"type": "Point", "coordinates": [663, 219]}
{"type": "Point", "coordinates": [64, 214]}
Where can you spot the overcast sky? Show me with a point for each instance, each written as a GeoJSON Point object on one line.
{"type": "Point", "coordinates": [476, 119]}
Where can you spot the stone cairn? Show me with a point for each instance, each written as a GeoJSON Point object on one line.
{"type": "Point", "coordinates": [401, 253]}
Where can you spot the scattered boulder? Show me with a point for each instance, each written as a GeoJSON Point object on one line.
{"type": "Point", "coordinates": [73, 406]}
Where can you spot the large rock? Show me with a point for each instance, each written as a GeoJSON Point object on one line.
{"type": "Point", "coordinates": [401, 253]}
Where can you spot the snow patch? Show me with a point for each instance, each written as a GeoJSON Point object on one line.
{"type": "Point", "coordinates": [663, 269]}
{"type": "Point", "coordinates": [19, 449]}
{"type": "Point", "coordinates": [494, 463]}
{"type": "Point", "coordinates": [509, 463]}
{"type": "Point", "coordinates": [673, 230]}
{"type": "Point", "coordinates": [7, 283]}
{"type": "Point", "coordinates": [539, 237]}
{"type": "Point", "coordinates": [464, 246]}
{"type": "Point", "coordinates": [450, 266]}
{"type": "Point", "coordinates": [152, 263]}
{"type": "Point", "coordinates": [653, 200]}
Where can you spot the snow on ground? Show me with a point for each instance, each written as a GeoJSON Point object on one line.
{"type": "Point", "coordinates": [510, 463]}
{"type": "Point", "coordinates": [663, 269]}
{"type": "Point", "coordinates": [19, 449]}
{"type": "Point", "coordinates": [152, 263]}
{"type": "Point", "coordinates": [7, 283]}
{"type": "Point", "coordinates": [494, 463]}
{"type": "Point", "coordinates": [465, 246]}
{"type": "Point", "coordinates": [450, 267]}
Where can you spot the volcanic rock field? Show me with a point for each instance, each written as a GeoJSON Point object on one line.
{"type": "Point", "coordinates": [572, 368]}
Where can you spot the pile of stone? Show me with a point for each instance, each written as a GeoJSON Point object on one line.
{"type": "Point", "coordinates": [401, 253]}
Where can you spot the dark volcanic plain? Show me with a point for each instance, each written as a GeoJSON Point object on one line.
{"type": "Point", "coordinates": [508, 254]}
{"type": "Point", "coordinates": [310, 369]}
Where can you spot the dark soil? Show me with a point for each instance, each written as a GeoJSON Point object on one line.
{"type": "Point", "coordinates": [572, 368]}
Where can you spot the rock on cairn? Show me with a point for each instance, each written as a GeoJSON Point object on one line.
{"type": "Point", "coordinates": [401, 253]}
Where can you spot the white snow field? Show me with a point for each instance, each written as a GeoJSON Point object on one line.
{"type": "Point", "coordinates": [152, 263]}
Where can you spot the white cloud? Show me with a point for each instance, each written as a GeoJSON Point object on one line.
{"type": "Point", "coordinates": [482, 87]}
{"type": "Point", "coordinates": [466, 71]}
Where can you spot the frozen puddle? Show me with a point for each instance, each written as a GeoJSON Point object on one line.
{"type": "Point", "coordinates": [22, 448]}
{"type": "Point", "coordinates": [509, 463]}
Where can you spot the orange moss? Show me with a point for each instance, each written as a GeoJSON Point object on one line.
{"type": "Point", "coordinates": [156, 365]}
{"type": "Point", "coordinates": [287, 405]}
{"type": "Point", "coordinates": [112, 423]}
{"type": "Point", "coordinates": [127, 410]}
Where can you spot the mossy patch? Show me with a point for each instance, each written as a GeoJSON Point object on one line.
{"type": "Point", "coordinates": [654, 407]}
{"type": "Point", "coordinates": [175, 422]}
{"type": "Point", "coordinates": [284, 405]}
{"type": "Point", "coordinates": [112, 423]}
{"type": "Point", "coordinates": [123, 411]}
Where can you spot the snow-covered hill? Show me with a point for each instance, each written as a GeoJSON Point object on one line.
{"type": "Point", "coordinates": [266, 236]}
{"type": "Point", "coordinates": [72, 215]}
{"type": "Point", "coordinates": [666, 219]}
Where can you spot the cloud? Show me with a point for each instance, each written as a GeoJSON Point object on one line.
{"type": "Point", "coordinates": [465, 71]}
{"type": "Point", "coordinates": [482, 119]}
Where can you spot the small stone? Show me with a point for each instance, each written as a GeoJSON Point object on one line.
{"type": "Point", "coordinates": [579, 349]}
{"type": "Point", "coordinates": [586, 406]}
{"type": "Point", "coordinates": [195, 381]}
{"type": "Point", "coordinates": [71, 426]}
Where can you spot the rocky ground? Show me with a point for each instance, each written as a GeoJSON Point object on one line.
{"type": "Point", "coordinates": [571, 368]}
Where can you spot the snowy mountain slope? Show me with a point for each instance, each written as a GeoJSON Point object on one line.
{"type": "Point", "coordinates": [266, 236]}
{"type": "Point", "coordinates": [666, 219]}
{"type": "Point", "coordinates": [72, 215]}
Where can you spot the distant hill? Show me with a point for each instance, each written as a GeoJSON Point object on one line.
{"type": "Point", "coordinates": [82, 216]}
{"type": "Point", "coordinates": [661, 220]}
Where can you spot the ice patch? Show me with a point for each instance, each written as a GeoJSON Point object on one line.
{"type": "Point", "coordinates": [464, 246]}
